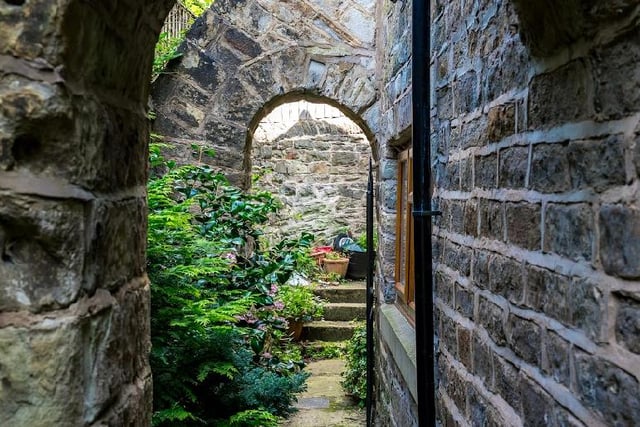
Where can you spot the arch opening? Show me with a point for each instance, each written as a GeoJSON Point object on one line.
{"type": "Point", "coordinates": [314, 158]}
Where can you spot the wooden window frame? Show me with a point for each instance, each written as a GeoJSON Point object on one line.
{"type": "Point", "coordinates": [405, 258]}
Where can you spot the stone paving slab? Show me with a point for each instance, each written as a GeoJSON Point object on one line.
{"type": "Point", "coordinates": [324, 403]}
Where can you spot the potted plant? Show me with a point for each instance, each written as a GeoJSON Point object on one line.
{"type": "Point", "coordinates": [336, 262]}
{"type": "Point", "coordinates": [298, 304]}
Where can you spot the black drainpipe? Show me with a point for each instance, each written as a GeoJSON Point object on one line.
{"type": "Point", "coordinates": [370, 402]}
{"type": "Point", "coordinates": [422, 213]}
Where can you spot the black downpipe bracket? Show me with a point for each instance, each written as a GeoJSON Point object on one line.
{"type": "Point", "coordinates": [370, 269]}
{"type": "Point", "coordinates": [422, 213]}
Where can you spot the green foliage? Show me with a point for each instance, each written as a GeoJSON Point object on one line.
{"type": "Point", "coordinates": [328, 350]}
{"type": "Point", "coordinates": [166, 50]}
{"type": "Point", "coordinates": [167, 46]}
{"type": "Point", "coordinates": [251, 418]}
{"type": "Point", "coordinates": [362, 240]}
{"type": "Point", "coordinates": [355, 382]}
{"type": "Point", "coordinates": [299, 303]}
{"type": "Point", "coordinates": [217, 355]}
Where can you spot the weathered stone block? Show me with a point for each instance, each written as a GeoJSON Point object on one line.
{"type": "Point", "coordinates": [71, 369]}
{"type": "Point", "coordinates": [491, 318]}
{"type": "Point", "coordinates": [451, 178]}
{"type": "Point", "coordinates": [569, 230]}
{"type": "Point", "coordinates": [523, 225]}
{"type": "Point", "coordinates": [458, 258]}
{"type": "Point", "coordinates": [471, 218]}
{"type": "Point", "coordinates": [513, 167]}
{"type": "Point", "coordinates": [448, 336]}
{"type": "Point", "coordinates": [562, 96]}
{"type": "Point", "coordinates": [557, 353]}
{"type": "Point", "coordinates": [115, 162]}
{"type": "Point", "coordinates": [486, 171]}
{"type": "Point", "coordinates": [481, 263]}
{"type": "Point", "coordinates": [628, 323]}
{"type": "Point", "coordinates": [586, 306]}
{"type": "Point", "coordinates": [537, 405]}
{"type": "Point", "coordinates": [524, 338]}
{"type": "Point", "coordinates": [474, 133]}
{"type": "Point", "coordinates": [444, 102]}
{"type": "Point", "coordinates": [456, 388]}
{"type": "Point", "coordinates": [42, 250]}
{"type": "Point", "coordinates": [597, 164]}
{"type": "Point", "coordinates": [466, 174]}
{"type": "Point", "coordinates": [501, 122]}
{"type": "Point", "coordinates": [464, 346]}
{"type": "Point", "coordinates": [118, 243]}
{"type": "Point", "coordinates": [620, 240]}
{"type": "Point", "coordinates": [549, 293]}
{"type": "Point", "coordinates": [617, 77]}
{"type": "Point", "coordinates": [507, 382]}
{"type": "Point", "coordinates": [466, 93]}
{"type": "Point", "coordinates": [455, 221]}
{"type": "Point", "coordinates": [491, 219]}
{"type": "Point", "coordinates": [550, 168]}
{"type": "Point", "coordinates": [507, 66]}
{"type": "Point", "coordinates": [546, 27]}
{"type": "Point", "coordinates": [482, 361]}
{"type": "Point", "coordinates": [444, 288]}
{"type": "Point", "coordinates": [464, 301]}
{"type": "Point", "coordinates": [607, 389]}
{"type": "Point", "coordinates": [506, 278]}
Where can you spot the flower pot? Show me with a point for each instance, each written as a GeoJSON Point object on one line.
{"type": "Point", "coordinates": [318, 253]}
{"type": "Point", "coordinates": [338, 266]}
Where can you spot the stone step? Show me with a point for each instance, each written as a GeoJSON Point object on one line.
{"type": "Point", "coordinates": [325, 330]}
{"type": "Point", "coordinates": [353, 292]}
{"type": "Point", "coordinates": [344, 311]}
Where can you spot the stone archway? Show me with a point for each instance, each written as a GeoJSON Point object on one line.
{"type": "Point", "coordinates": [242, 59]}
{"type": "Point", "coordinates": [314, 159]}
{"type": "Point", "coordinates": [74, 297]}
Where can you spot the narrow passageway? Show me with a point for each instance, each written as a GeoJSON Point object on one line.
{"type": "Point", "coordinates": [325, 404]}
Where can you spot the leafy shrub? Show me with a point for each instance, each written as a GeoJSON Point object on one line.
{"type": "Point", "coordinates": [216, 335]}
{"type": "Point", "coordinates": [297, 302]}
{"type": "Point", "coordinates": [354, 382]}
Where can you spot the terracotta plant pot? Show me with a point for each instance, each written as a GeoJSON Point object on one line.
{"type": "Point", "coordinates": [338, 266]}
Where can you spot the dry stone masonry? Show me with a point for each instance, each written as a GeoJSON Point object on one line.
{"type": "Point", "coordinates": [316, 163]}
{"type": "Point", "coordinates": [244, 58]}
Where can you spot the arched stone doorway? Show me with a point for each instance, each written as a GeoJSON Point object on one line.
{"type": "Point", "coordinates": [315, 160]}
{"type": "Point", "coordinates": [242, 59]}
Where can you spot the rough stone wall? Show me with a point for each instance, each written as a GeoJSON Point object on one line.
{"type": "Point", "coordinates": [537, 280]}
{"type": "Point", "coordinates": [242, 59]}
{"type": "Point", "coordinates": [74, 297]}
{"type": "Point", "coordinates": [395, 405]}
{"type": "Point", "coordinates": [319, 172]}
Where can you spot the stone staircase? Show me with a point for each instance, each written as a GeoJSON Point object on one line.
{"type": "Point", "coordinates": [346, 303]}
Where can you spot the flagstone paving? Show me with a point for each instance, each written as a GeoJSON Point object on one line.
{"type": "Point", "coordinates": [324, 404]}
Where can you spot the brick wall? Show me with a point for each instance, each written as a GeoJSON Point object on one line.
{"type": "Point", "coordinates": [538, 250]}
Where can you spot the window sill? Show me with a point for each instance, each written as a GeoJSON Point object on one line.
{"type": "Point", "coordinates": [400, 337]}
